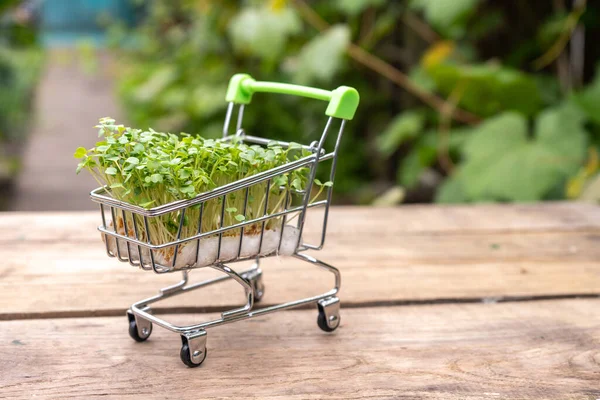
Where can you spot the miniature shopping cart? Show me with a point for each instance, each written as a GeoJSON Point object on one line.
{"type": "Point", "coordinates": [122, 224]}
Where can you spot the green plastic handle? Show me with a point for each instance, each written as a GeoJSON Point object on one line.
{"type": "Point", "coordinates": [343, 101]}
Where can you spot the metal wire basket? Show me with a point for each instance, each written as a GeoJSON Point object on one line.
{"type": "Point", "coordinates": [127, 233]}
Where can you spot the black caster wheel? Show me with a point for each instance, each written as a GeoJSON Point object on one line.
{"type": "Point", "coordinates": [186, 358]}
{"type": "Point", "coordinates": [133, 329]}
{"type": "Point", "coordinates": [135, 335]}
{"type": "Point", "coordinates": [322, 322]}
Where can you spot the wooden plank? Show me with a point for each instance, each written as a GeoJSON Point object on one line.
{"type": "Point", "coordinates": [413, 219]}
{"type": "Point", "coordinates": [529, 350]}
{"type": "Point", "coordinates": [42, 276]}
{"type": "Point", "coordinates": [76, 279]}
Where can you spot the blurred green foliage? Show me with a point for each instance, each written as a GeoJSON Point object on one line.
{"type": "Point", "coordinates": [19, 71]}
{"type": "Point", "coordinates": [499, 124]}
{"type": "Point", "coordinates": [20, 66]}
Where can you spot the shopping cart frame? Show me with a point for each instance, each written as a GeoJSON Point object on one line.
{"type": "Point", "coordinates": [342, 103]}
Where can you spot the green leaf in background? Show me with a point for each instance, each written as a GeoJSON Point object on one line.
{"type": "Point", "coordinates": [419, 76]}
{"type": "Point", "coordinates": [451, 192]}
{"type": "Point", "coordinates": [263, 32]}
{"type": "Point", "coordinates": [411, 168]}
{"type": "Point", "coordinates": [321, 58]}
{"type": "Point", "coordinates": [591, 191]}
{"type": "Point", "coordinates": [355, 7]}
{"type": "Point", "coordinates": [204, 45]}
{"type": "Point", "coordinates": [425, 155]}
{"type": "Point", "coordinates": [488, 88]}
{"type": "Point", "coordinates": [448, 17]}
{"type": "Point", "coordinates": [502, 163]}
{"type": "Point", "coordinates": [156, 83]}
{"type": "Point", "coordinates": [589, 99]}
{"type": "Point", "coordinates": [495, 136]}
{"type": "Point", "coordinates": [19, 72]}
{"type": "Point", "coordinates": [404, 127]}
{"type": "Point", "coordinates": [486, 24]}
{"type": "Point", "coordinates": [551, 30]}
{"type": "Point", "coordinates": [204, 102]}
{"type": "Point", "coordinates": [561, 129]}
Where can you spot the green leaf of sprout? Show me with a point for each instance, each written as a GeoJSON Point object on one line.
{"type": "Point", "coordinates": [147, 204]}
{"type": "Point", "coordinates": [297, 184]}
{"type": "Point", "coordinates": [240, 218]}
{"type": "Point", "coordinates": [81, 152]}
{"type": "Point", "coordinates": [156, 178]}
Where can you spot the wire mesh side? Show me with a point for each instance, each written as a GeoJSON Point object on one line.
{"type": "Point", "coordinates": [182, 238]}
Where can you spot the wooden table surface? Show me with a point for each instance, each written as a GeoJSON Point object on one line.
{"type": "Point", "coordinates": [461, 302]}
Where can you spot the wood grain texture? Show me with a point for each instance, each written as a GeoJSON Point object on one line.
{"type": "Point", "coordinates": [414, 219]}
{"type": "Point", "coordinates": [531, 350]}
{"type": "Point", "coordinates": [490, 252]}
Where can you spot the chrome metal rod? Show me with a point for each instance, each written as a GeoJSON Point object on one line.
{"type": "Point", "coordinates": [247, 290]}
{"type": "Point", "coordinates": [246, 195]}
{"type": "Point", "coordinates": [137, 237]}
{"type": "Point", "coordinates": [227, 119]}
{"type": "Point", "coordinates": [153, 263]}
{"type": "Point", "coordinates": [283, 221]}
{"type": "Point", "coordinates": [223, 201]}
{"type": "Point", "coordinates": [127, 243]}
{"type": "Point", "coordinates": [266, 142]}
{"type": "Point", "coordinates": [104, 235]}
{"type": "Point", "coordinates": [139, 308]}
{"type": "Point", "coordinates": [240, 118]}
{"type": "Point", "coordinates": [181, 222]}
{"type": "Point", "coordinates": [198, 232]}
{"type": "Point", "coordinates": [213, 232]}
{"type": "Point", "coordinates": [262, 230]}
{"type": "Point", "coordinates": [313, 172]}
{"type": "Point", "coordinates": [114, 222]}
{"type": "Point", "coordinates": [330, 189]}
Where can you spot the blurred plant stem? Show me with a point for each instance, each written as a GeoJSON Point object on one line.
{"type": "Point", "coordinates": [577, 52]}
{"type": "Point", "coordinates": [417, 25]}
{"type": "Point", "coordinates": [557, 48]}
{"type": "Point", "coordinates": [443, 150]}
{"type": "Point", "coordinates": [385, 69]}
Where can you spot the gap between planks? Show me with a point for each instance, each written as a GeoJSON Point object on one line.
{"type": "Point", "coordinates": [345, 305]}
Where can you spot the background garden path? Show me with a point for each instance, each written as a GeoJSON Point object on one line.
{"type": "Point", "coordinates": [69, 100]}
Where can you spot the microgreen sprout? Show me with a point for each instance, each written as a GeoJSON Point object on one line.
{"type": "Point", "coordinates": [321, 187]}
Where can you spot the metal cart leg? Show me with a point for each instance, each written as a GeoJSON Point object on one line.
{"type": "Point", "coordinates": [254, 277]}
